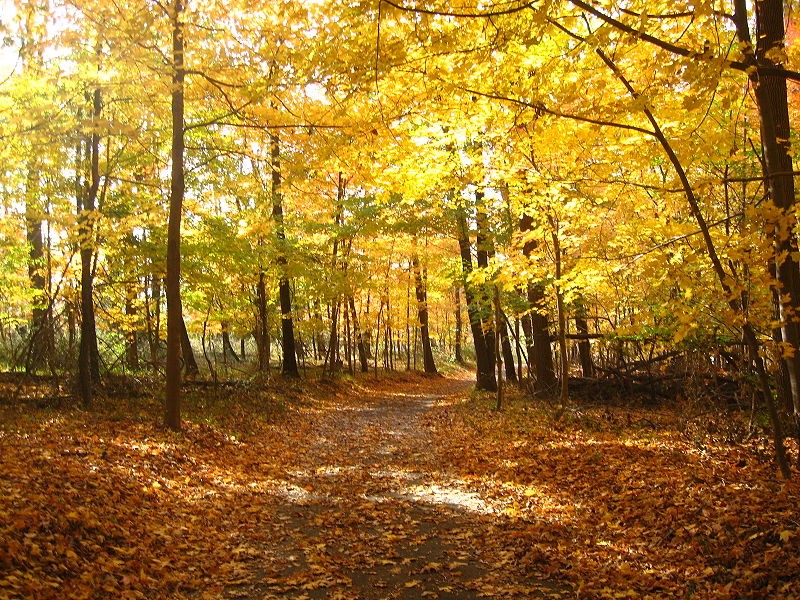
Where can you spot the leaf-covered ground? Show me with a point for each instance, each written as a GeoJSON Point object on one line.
{"type": "Point", "coordinates": [399, 488]}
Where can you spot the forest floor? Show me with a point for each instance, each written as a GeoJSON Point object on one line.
{"type": "Point", "coordinates": [401, 487]}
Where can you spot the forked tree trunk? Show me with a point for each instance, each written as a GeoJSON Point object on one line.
{"type": "Point", "coordinates": [227, 346]}
{"type": "Point", "coordinates": [190, 366]}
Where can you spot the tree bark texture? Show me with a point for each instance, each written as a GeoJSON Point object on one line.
{"type": "Point", "coordinates": [175, 324]}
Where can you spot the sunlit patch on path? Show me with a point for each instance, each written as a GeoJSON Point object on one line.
{"type": "Point", "coordinates": [373, 515]}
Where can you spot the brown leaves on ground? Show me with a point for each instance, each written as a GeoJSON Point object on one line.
{"type": "Point", "coordinates": [400, 488]}
{"type": "Point", "coordinates": [622, 511]}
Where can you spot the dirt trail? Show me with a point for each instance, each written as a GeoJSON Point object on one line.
{"type": "Point", "coordinates": [369, 513]}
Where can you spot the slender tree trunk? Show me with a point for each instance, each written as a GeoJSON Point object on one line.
{"type": "Point", "coordinates": [362, 350]}
{"type": "Point", "coordinates": [190, 366]}
{"type": "Point", "coordinates": [484, 248]}
{"type": "Point", "coordinates": [584, 347]}
{"type": "Point", "coordinates": [39, 350]}
{"type": "Point", "coordinates": [288, 346]}
{"type": "Point", "coordinates": [175, 325]}
{"type": "Point", "coordinates": [348, 336]}
{"type": "Point", "coordinates": [132, 336]}
{"type": "Point", "coordinates": [497, 350]}
{"type": "Point", "coordinates": [333, 358]}
{"type": "Point", "coordinates": [485, 377]}
{"type": "Point", "coordinates": [152, 335]}
{"type": "Point", "coordinates": [262, 335]}
{"type": "Point", "coordinates": [408, 324]}
{"type": "Point", "coordinates": [518, 347]}
{"type": "Point", "coordinates": [88, 343]}
{"type": "Point", "coordinates": [422, 312]}
{"type": "Point", "coordinates": [457, 352]}
{"type": "Point", "coordinates": [562, 320]}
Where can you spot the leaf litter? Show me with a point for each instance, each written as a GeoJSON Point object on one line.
{"type": "Point", "coordinates": [407, 487]}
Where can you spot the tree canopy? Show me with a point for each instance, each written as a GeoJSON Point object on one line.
{"type": "Point", "coordinates": [358, 183]}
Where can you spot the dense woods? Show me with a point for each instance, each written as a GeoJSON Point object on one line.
{"type": "Point", "coordinates": [608, 189]}
{"type": "Point", "coordinates": [580, 200]}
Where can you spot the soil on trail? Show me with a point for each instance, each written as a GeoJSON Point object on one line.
{"type": "Point", "coordinates": [370, 513]}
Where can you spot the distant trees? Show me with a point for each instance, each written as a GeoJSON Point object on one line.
{"type": "Point", "coordinates": [620, 182]}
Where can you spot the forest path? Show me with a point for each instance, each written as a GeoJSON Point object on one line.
{"type": "Point", "coordinates": [370, 512]}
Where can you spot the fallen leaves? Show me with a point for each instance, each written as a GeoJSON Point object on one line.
{"type": "Point", "coordinates": [386, 491]}
{"type": "Point", "coordinates": [623, 514]}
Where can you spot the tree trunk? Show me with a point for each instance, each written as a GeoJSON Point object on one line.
{"type": "Point", "coordinates": [422, 312]}
{"type": "Point", "coordinates": [485, 377]}
{"type": "Point", "coordinates": [408, 323]}
{"type": "Point", "coordinates": [362, 350]}
{"type": "Point", "coordinates": [457, 353]}
{"type": "Point", "coordinates": [262, 333]}
{"type": "Point", "coordinates": [176, 329]}
{"type": "Point", "coordinates": [584, 348]}
{"type": "Point", "coordinates": [40, 347]}
{"type": "Point", "coordinates": [540, 354]}
{"type": "Point", "coordinates": [332, 358]}
{"type": "Point", "coordinates": [152, 295]}
{"type": "Point", "coordinates": [484, 248]}
{"type": "Point", "coordinates": [88, 343]}
{"type": "Point", "coordinates": [227, 346]}
{"type": "Point", "coordinates": [497, 349]}
{"type": "Point", "coordinates": [773, 110]}
{"type": "Point", "coordinates": [40, 351]}
{"type": "Point", "coordinates": [508, 352]}
{"type": "Point", "coordinates": [288, 346]}
{"type": "Point", "coordinates": [131, 336]}
{"type": "Point", "coordinates": [190, 366]}
{"type": "Point", "coordinates": [562, 320]}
